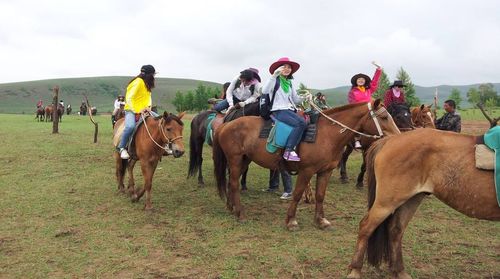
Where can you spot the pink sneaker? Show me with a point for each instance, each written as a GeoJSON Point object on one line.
{"type": "Point", "coordinates": [291, 156]}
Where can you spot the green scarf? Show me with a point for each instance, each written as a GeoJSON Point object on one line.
{"type": "Point", "coordinates": [285, 84]}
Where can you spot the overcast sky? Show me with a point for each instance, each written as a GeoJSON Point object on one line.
{"type": "Point", "coordinates": [437, 42]}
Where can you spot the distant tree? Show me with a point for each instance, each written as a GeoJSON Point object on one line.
{"type": "Point", "coordinates": [490, 104]}
{"type": "Point", "coordinates": [178, 102]}
{"type": "Point", "coordinates": [455, 96]}
{"type": "Point", "coordinates": [410, 94]}
{"type": "Point", "coordinates": [383, 85]}
{"type": "Point", "coordinates": [302, 86]}
{"type": "Point", "coordinates": [487, 91]}
{"type": "Point", "coordinates": [189, 101]}
{"type": "Point", "coordinates": [473, 96]}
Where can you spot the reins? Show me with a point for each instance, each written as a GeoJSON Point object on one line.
{"type": "Point", "coordinates": [169, 141]}
{"type": "Point", "coordinates": [345, 127]}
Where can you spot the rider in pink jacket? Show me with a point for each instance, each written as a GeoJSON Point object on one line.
{"type": "Point", "coordinates": [363, 87]}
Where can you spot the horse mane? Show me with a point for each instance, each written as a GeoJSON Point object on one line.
{"type": "Point", "coordinates": [171, 117]}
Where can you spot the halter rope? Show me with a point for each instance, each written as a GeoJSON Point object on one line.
{"type": "Point", "coordinates": [169, 141]}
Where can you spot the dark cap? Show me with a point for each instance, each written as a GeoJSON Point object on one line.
{"type": "Point", "coordinates": [148, 69]}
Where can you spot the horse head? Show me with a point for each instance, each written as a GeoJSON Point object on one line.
{"type": "Point", "coordinates": [378, 121]}
{"type": "Point", "coordinates": [401, 114]}
{"type": "Point", "coordinates": [173, 126]}
{"type": "Point", "coordinates": [422, 117]}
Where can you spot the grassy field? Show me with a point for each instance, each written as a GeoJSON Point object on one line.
{"type": "Point", "coordinates": [61, 217]}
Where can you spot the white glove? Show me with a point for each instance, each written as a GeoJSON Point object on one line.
{"type": "Point", "coordinates": [229, 109]}
{"type": "Point", "coordinates": [277, 72]}
{"type": "Point", "coordinates": [377, 64]}
{"type": "Point", "coordinates": [242, 104]}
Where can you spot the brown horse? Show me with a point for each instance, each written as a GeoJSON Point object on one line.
{"type": "Point", "coordinates": [60, 111]}
{"type": "Point", "coordinates": [48, 113]}
{"type": "Point", "coordinates": [421, 117]}
{"type": "Point", "coordinates": [40, 112]}
{"type": "Point", "coordinates": [237, 143]}
{"type": "Point", "coordinates": [151, 140]}
{"type": "Point", "coordinates": [428, 162]}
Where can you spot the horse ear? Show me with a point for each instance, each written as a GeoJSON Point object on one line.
{"type": "Point", "coordinates": [430, 106]}
{"type": "Point", "coordinates": [181, 114]}
{"type": "Point", "coordinates": [165, 114]}
{"type": "Point", "coordinates": [422, 106]}
{"type": "Point", "coordinates": [376, 103]}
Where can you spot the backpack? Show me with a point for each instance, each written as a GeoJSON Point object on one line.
{"type": "Point", "coordinates": [266, 104]}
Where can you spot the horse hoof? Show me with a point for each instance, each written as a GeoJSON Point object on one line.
{"type": "Point", "coordinates": [292, 226]}
{"type": "Point", "coordinates": [324, 224]}
{"type": "Point", "coordinates": [402, 275]}
{"type": "Point", "coordinates": [355, 274]}
{"type": "Point", "coordinates": [134, 198]}
{"type": "Point", "coordinates": [201, 184]}
{"type": "Point", "coordinates": [148, 208]}
{"type": "Point", "coordinates": [344, 180]}
{"type": "Point", "coordinates": [359, 185]}
{"type": "Point", "coordinates": [242, 219]}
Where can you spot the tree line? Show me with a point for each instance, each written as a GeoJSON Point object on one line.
{"type": "Point", "coordinates": [195, 100]}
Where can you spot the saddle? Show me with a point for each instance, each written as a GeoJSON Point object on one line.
{"type": "Point", "coordinates": [277, 132]}
{"type": "Point", "coordinates": [117, 136]}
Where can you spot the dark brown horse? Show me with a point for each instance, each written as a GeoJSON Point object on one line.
{"type": "Point", "coordinates": [198, 133]}
{"type": "Point", "coordinates": [40, 113]}
{"type": "Point", "coordinates": [237, 143]}
{"type": "Point", "coordinates": [422, 117]}
{"type": "Point", "coordinates": [428, 162]}
{"type": "Point", "coordinates": [151, 140]}
{"type": "Point", "coordinates": [60, 111]}
{"type": "Point", "coordinates": [402, 117]}
{"type": "Point", "coordinates": [120, 113]}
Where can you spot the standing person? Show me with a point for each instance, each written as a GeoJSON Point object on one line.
{"type": "Point", "coordinates": [320, 100]}
{"type": "Point", "coordinates": [120, 101]}
{"type": "Point", "coordinates": [39, 104]}
{"type": "Point", "coordinates": [137, 101]}
{"type": "Point", "coordinates": [395, 94]}
{"type": "Point", "coordinates": [283, 107]}
{"type": "Point", "coordinates": [274, 182]}
{"type": "Point", "coordinates": [451, 120]}
{"type": "Point", "coordinates": [243, 90]}
{"type": "Point", "coordinates": [362, 89]}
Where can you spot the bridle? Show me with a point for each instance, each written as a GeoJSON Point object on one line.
{"type": "Point", "coordinates": [170, 141]}
{"type": "Point", "coordinates": [373, 114]}
{"type": "Point", "coordinates": [421, 119]}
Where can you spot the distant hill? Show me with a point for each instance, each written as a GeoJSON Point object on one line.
{"type": "Point", "coordinates": [338, 95]}
{"type": "Point", "coordinates": [21, 97]}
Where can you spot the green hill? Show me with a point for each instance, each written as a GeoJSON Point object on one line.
{"type": "Point", "coordinates": [21, 97]}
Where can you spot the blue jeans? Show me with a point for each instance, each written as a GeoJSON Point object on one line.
{"type": "Point", "coordinates": [274, 180]}
{"type": "Point", "coordinates": [129, 127]}
{"type": "Point", "coordinates": [297, 122]}
{"type": "Point", "coordinates": [224, 104]}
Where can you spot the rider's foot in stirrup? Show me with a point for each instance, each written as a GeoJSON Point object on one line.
{"type": "Point", "coordinates": [357, 145]}
{"type": "Point", "coordinates": [124, 154]}
{"type": "Point", "coordinates": [291, 156]}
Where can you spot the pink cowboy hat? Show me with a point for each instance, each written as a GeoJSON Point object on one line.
{"type": "Point", "coordinates": [282, 61]}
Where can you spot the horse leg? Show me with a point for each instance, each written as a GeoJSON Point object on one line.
{"type": "Point", "coordinates": [234, 191]}
{"type": "Point", "coordinates": [321, 184]}
{"type": "Point", "coordinates": [300, 186]}
{"type": "Point", "coordinates": [362, 171]}
{"type": "Point", "coordinates": [244, 180]}
{"type": "Point", "coordinates": [397, 227]}
{"type": "Point", "coordinates": [120, 172]}
{"type": "Point", "coordinates": [131, 180]}
{"type": "Point", "coordinates": [343, 164]}
{"type": "Point", "coordinates": [199, 151]}
{"type": "Point", "coordinates": [148, 170]}
{"type": "Point", "coordinates": [375, 216]}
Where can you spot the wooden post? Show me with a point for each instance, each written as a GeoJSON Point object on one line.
{"type": "Point", "coordinates": [96, 126]}
{"type": "Point", "coordinates": [55, 114]}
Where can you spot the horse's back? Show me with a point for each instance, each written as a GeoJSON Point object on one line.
{"type": "Point", "coordinates": [118, 131]}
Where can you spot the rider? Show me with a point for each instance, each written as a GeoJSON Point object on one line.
{"type": "Point", "coordinates": [137, 101]}
{"type": "Point", "coordinates": [395, 94]}
{"type": "Point", "coordinates": [120, 101]}
{"type": "Point", "coordinates": [39, 104]}
{"type": "Point", "coordinates": [61, 102]}
{"type": "Point", "coordinates": [362, 89]}
{"type": "Point", "coordinates": [320, 100]}
{"type": "Point", "coordinates": [283, 107]}
{"type": "Point", "coordinates": [243, 90]}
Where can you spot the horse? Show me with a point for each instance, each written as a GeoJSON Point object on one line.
{"type": "Point", "coordinates": [120, 113]}
{"type": "Point", "coordinates": [68, 110]}
{"type": "Point", "coordinates": [402, 117]}
{"type": "Point", "coordinates": [237, 143]}
{"type": "Point", "coordinates": [152, 139]}
{"type": "Point", "coordinates": [422, 117]}
{"type": "Point", "coordinates": [93, 111]}
{"type": "Point", "coordinates": [40, 113]}
{"type": "Point", "coordinates": [198, 134]}
{"type": "Point", "coordinates": [60, 111]}
{"type": "Point", "coordinates": [83, 109]}
{"type": "Point", "coordinates": [405, 168]}
{"type": "Point", "coordinates": [48, 113]}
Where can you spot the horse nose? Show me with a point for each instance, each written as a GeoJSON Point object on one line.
{"type": "Point", "coordinates": [178, 153]}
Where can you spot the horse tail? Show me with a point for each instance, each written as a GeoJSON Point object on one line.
{"type": "Point", "coordinates": [378, 249]}
{"type": "Point", "coordinates": [220, 165]}
{"type": "Point", "coordinates": [194, 151]}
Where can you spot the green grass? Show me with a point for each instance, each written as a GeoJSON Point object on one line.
{"type": "Point", "coordinates": [61, 217]}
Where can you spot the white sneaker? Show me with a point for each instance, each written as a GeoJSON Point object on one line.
{"type": "Point", "coordinates": [124, 154]}
{"type": "Point", "coordinates": [286, 196]}
{"type": "Point", "coordinates": [357, 145]}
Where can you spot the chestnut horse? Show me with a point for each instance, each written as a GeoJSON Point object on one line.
{"type": "Point", "coordinates": [237, 143]}
{"type": "Point", "coordinates": [402, 117]}
{"type": "Point", "coordinates": [152, 139]}
{"type": "Point", "coordinates": [428, 162]}
{"type": "Point", "coordinates": [40, 112]}
{"type": "Point", "coordinates": [48, 112]}
{"type": "Point", "coordinates": [421, 117]}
